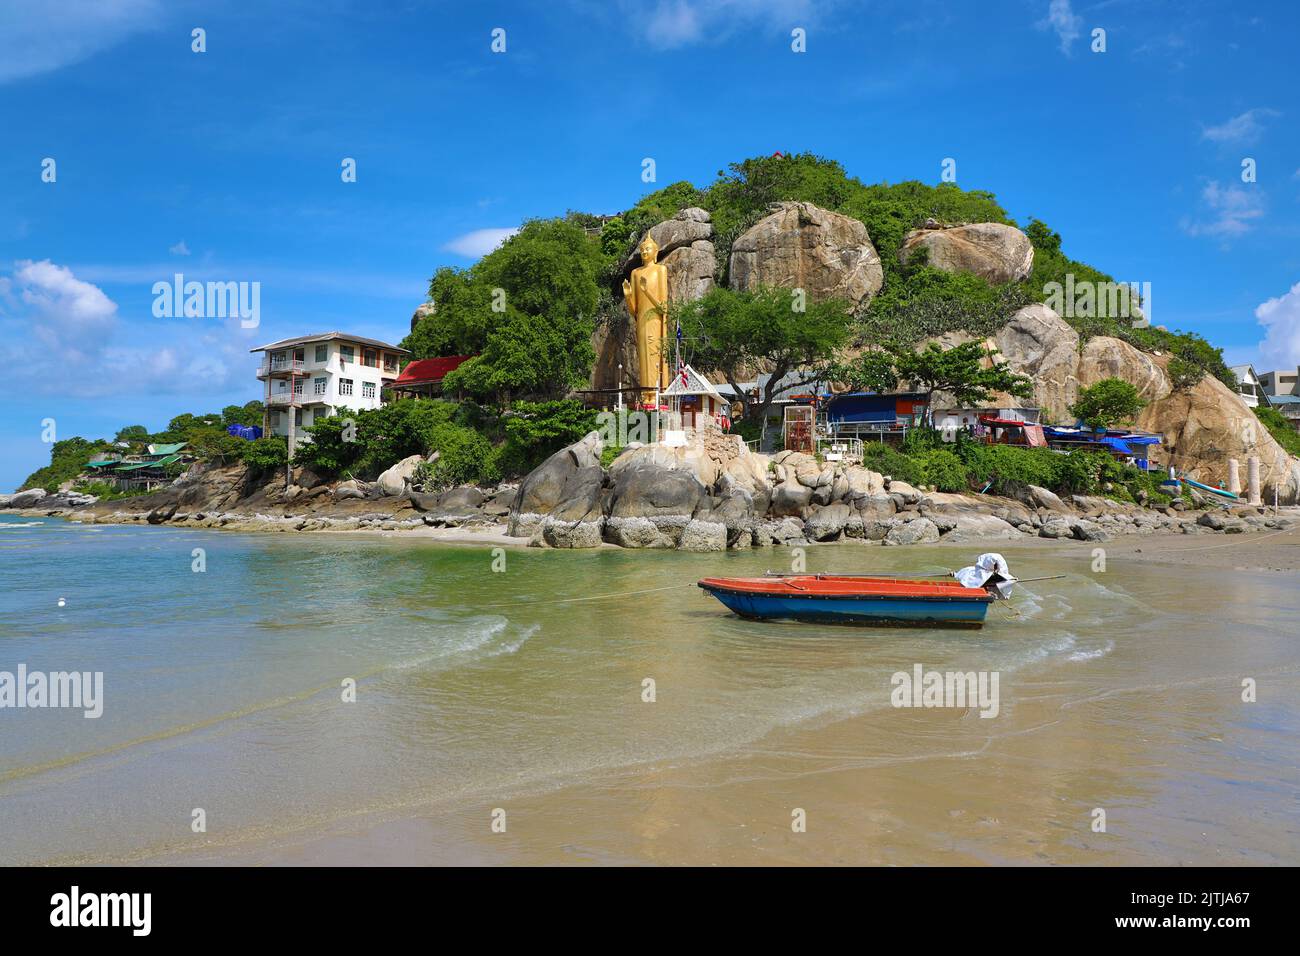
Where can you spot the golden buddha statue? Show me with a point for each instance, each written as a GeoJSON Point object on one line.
{"type": "Point", "coordinates": [647, 303]}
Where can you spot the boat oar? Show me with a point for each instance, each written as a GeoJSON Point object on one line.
{"type": "Point", "coordinates": [1049, 577]}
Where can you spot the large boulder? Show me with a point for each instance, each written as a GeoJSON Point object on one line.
{"type": "Point", "coordinates": [800, 245]}
{"type": "Point", "coordinates": [1106, 357]}
{"type": "Point", "coordinates": [1204, 425]}
{"type": "Point", "coordinates": [827, 522]}
{"type": "Point", "coordinates": [395, 480]}
{"type": "Point", "coordinates": [977, 527]}
{"type": "Point", "coordinates": [703, 536]}
{"type": "Point", "coordinates": [1040, 344]}
{"type": "Point", "coordinates": [916, 531]}
{"type": "Point", "coordinates": [572, 534]}
{"type": "Point", "coordinates": [548, 485]}
{"type": "Point", "coordinates": [644, 489]}
{"type": "Point", "coordinates": [997, 252]}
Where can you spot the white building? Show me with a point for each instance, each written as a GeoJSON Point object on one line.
{"type": "Point", "coordinates": [1249, 386]}
{"type": "Point", "coordinates": [313, 376]}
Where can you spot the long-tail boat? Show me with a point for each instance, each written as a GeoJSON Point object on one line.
{"type": "Point", "coordinates": [863, 599]}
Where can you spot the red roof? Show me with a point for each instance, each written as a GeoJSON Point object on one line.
{"type": "Point", "coordinates": [427, 371]}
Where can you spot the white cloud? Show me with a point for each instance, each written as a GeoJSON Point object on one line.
{"type": "Point", "coordinates": [1280, 317]}
{"type": "Point", "coordinates": [60, 305]}
{"type": "Point", "coordinates": [67, 339]}
{"type": "Point", "coordinates": [478, 243]}
{"type": "Point", "coordinates": [180, 249]}
{"type": "Point", "coordinates": [1067, 24]}
{"type": "Point", "coordinates": [672, 24]}
{"type": "Point", "coordinates": [38, 38]}
{"type": "Point", "coordinates": [1242, 130]}
{"type": "Point", "coordinates": [1229, 211]}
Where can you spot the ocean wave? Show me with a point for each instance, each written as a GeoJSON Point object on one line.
{"type": "Point", "coordinates": [1093, 654]}
{"type": "Point", "coordinates": [473, 639]}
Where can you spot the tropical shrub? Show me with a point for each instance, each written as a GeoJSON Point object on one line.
{"type": "Point", "coordinates": [265, 455]}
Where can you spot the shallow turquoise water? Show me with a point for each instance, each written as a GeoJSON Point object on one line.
{"type": "Point", "coordinates": [223, 688]}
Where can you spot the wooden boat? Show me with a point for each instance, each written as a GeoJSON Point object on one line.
{"type": "Point", "coordinates": [854, 599]}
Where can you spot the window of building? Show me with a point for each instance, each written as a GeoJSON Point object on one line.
{"type": "Point", "coordinates": [345, 386]}
{"type": "Point", "coordinates": [367, 389]}
{"type": "Point", "coordinates": [318, 386]}
{"type": "Point", "coordinates": [322, 353]}
{"type": "Point", "coordinates": [297, 417]}
{"type": "Point", "coordinates": [299, 356]}
{"type": "Point", "coordinates": [275, 419]}
{"type": "Point", "coordinates": [297, 386]}
{"type": "Point", "coordinates": [370, 358]}
{"type": "Point", "coordinates": [347, 353]}
{"type": "Point", "coordinates": [390, 362]}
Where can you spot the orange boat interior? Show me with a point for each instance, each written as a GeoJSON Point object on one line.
{"type": "Point", "coordinates": [846, 585]}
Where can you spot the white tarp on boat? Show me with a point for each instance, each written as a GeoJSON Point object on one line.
{"type": "Point", "coordinates": [988, 567]}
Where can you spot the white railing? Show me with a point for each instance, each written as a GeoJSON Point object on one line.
{"type": "Point", "coordinates": [839, 449]}
{"type": "Point", "coordinates": [284, 398]}
{"type": "Point", "coordinates": [270, 366]}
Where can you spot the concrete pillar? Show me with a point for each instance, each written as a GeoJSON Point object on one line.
{"type": "Point", "coordinates": [1252, 480]}
{"type": "Point", "coordinates": [1234, 477]}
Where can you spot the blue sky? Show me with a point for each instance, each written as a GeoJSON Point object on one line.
{"type": "Point", "coordinates": [225, 165]}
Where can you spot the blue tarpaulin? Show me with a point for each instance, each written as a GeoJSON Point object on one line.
{"type": "Point", "coordinates": [248, 432]}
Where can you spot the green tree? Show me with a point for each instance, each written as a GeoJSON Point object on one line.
{"type": "Point", "coordinates": [247, 414]}
{"type": "Point", "coordinates": [68, 460]}
{"type": "Point", "coordinates": [132, 433]}
{"type": "Point", "coordinates": [526, 311]}
{"type": "Point", "coordinates": [1182, 373]}
{"type": "Point", "coordinates": [870, 371]}
{"type": "Point", "coordinates": [266, 455]}
{"type": "Point", "coordinates": [1280, 427]}
{"type": "Point", "coordinates": [734, 331]}
{"type": "Point", "coordinates": [960, 371]}
{"type": "Point", "coordinates": [1107, 403]}
{"type": "Point", "coordinates": [462, 319]}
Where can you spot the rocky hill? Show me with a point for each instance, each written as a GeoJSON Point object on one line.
{"type": "Point", "coordinates": [830, 254]}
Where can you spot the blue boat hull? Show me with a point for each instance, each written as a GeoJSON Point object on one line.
{"type": "Point", "coordinates": [884, 612]}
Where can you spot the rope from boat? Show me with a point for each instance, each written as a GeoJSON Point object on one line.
{"type": "Point", "coordinates": [590, 597]}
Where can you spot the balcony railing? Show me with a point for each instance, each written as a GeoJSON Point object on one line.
{"type": "Point", "coordinates": [284, 398]}
{"type": "Point", "coordinates": [271, 366]}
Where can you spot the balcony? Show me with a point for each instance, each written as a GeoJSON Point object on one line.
{"type": "Point", "coordinates": [284, 399]}
{"type": "Point", "coordinates": [277, 367]}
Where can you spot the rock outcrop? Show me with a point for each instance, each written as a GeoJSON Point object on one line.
{"type": "Point", "coordinates": [799, 245]}
{"type": "Point", "coordinates": [997, 252]}
{"type": "Point", "coordinates": [397, 479]}
{"type": "Point", "coordinates": [1039, 343]}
